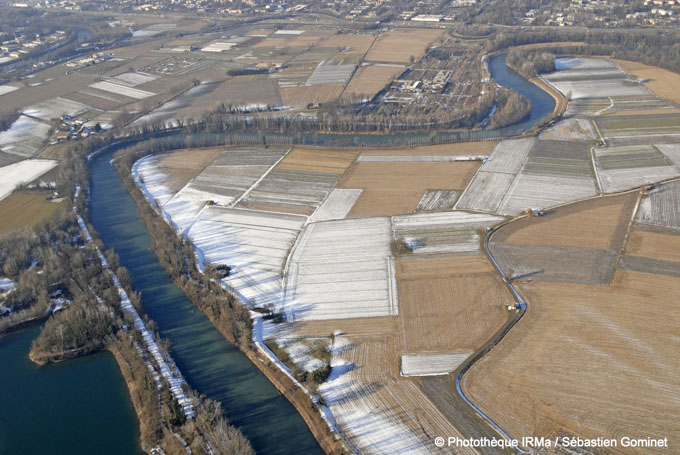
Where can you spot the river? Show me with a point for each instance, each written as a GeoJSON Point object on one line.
{"type": "Point", "coordinates": [211, 365]}
{"type": "Point", "coordinates": [72, 407]}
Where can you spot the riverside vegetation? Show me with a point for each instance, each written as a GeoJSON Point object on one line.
{"type": "Point", "coordinates": [231, 318]}
{"type": "Point", "coordinates": [59, 279]}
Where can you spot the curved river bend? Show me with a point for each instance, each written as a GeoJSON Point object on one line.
{"type": "Point", "coordinates": [71, 407]}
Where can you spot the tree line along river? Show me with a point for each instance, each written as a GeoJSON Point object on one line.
{"type": "Point", "coordinates": [82, 406]}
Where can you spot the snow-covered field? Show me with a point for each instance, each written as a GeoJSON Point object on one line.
{"type": "Point", "coordinates": [122, 90]}
{"type": "Point", "coordinates": [486, 191]}
{"type": "Point", "coordinates": [541, 191]}
{"type": "Point", "coordinates": [576, 129]}
{"type": "Point", "coordinates": [342, 269]}
{"type": "Point", "coordinates": [133, 79]}
{"type": "Point", "coordinates": [6, 285]}
{"type": "Point", "coordinates": [326, 73]}
{"type": "Point", "coordinates": [337, 205]}
{"type": "Point", "coordinates": [661, 207]}
{"type": "Point", "coordinates": [25, 137]}
{"type": "Point", "coordinates": [431, 364]}
{"type": "Point", "coordinates": [493, 179]}
{"type": "Point", "coordinates": [20, 173]}
{"type": "Point", "coordinates": [54, 108]}
{"type": "Point", "coordinates": [509, 156]}
{"type": "Point", "coordinates": [627, 167]}
{"type": "Point", "coordinates": [438, 200]}
{"type": "Point", "coordinates": [245, 238]}
{"type": "Point", "coordinates": [592, 78]}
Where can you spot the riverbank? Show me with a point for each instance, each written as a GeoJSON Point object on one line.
{"type": "Point", "coordinates": [560, 100]}
{"type": "Point", "coordinates": [212, 366]}
{"type": "Point", "coordinates": [293, 391]}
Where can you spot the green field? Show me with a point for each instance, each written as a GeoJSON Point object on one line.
{"type": "Point", "coordinates": [22, 210]}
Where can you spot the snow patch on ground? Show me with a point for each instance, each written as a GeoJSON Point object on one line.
{"type": "Point", "coordinates": [431, 364]}
{"type": "Point", "coordinates": [6, 285]}
{"type": "Point", "coordinates": [337, 205]}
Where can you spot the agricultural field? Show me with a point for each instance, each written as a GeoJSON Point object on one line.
{"type": "Point", "coordinates": [577, 129]}
{"type": "Point", "coordinates": [638, 125]}
{"type": "Point", "coordinates": [342, 269]}
{"type": "Point", "coordinates": [617, 364]}
{"type": "Point", "coordinates": [302, 96]}
{"type": "Point", "coordinates": [445, 232]}
{"type": "Point", "coordinates": [438, 200]}
{"type": "Point", "coordinates": [25, 138]}
{"type": "Point", "coordinates": [480, 149]}
{"type": "Point", "coordinates": [586, 236]}
{"type": "Point", "coordinates": [592, 78]}
{"type": "Point", "coordinates": [23, 210]}
{"type": "Point", "coordinates": [371, 79]}
{"type": "Point", "coordinates": [661, 207]}
{"type": "Point", "coordinates": [663, 83]}
{"type": "Point", "coordinates": [21, 173]}
{"type": "Point", "coordinates": [624, 167]}
{"type": "Point", "coordinates": [449, 304]}
{"type": "Point", "coordinates": [657, 245]}
{"type": "Point", "coordinates": [402, 45]}
{"type": "Point", "coordinates": [299, 182]}
{"type": "Point", "coordinates": [588, 322]}
{"type": "Point", "coordinates": [377, 409]}
{"type": "Point", "coordinates": [355, 43]}
{"type": "Point", "coordinates": [177, 168]}
{"type": "Point", "coordinates": [529, 174]}
{"type": "Point", "coordinates": [382, 196]}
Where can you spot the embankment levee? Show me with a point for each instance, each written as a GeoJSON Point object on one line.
{"type": "Point", "coordinates": [315, 416]}
{"type": "Point", "coordinates": [167, 368]}
{"type": "Point", "coordinates": [560, 100]}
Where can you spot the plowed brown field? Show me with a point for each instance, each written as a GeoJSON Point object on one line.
{"type": "Point", "coordinates": [449, 304]}
{"type": "Point", "coordinates": [399, 46]}
{"type": "Point", "coordinates": [181, 166]}
{"type": "Point", "coordinates": [591, 360]}
{"type": "Point", "coordinates": [654, 245]}
{"type": "Point", "coordinates": [599, 223]}
{"type": "Point", "coordinates": [396, 188]}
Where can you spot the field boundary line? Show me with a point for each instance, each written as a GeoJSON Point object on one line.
{"type": "Point", "coordinates": [257, 182]}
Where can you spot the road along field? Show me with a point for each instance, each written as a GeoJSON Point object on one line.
{"type": "Point", "coordinates": [586, 360]}
{"type": "Point", "coordinates": [585, 236]}
{"type": "Point", "coordinates": [392, 188]}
